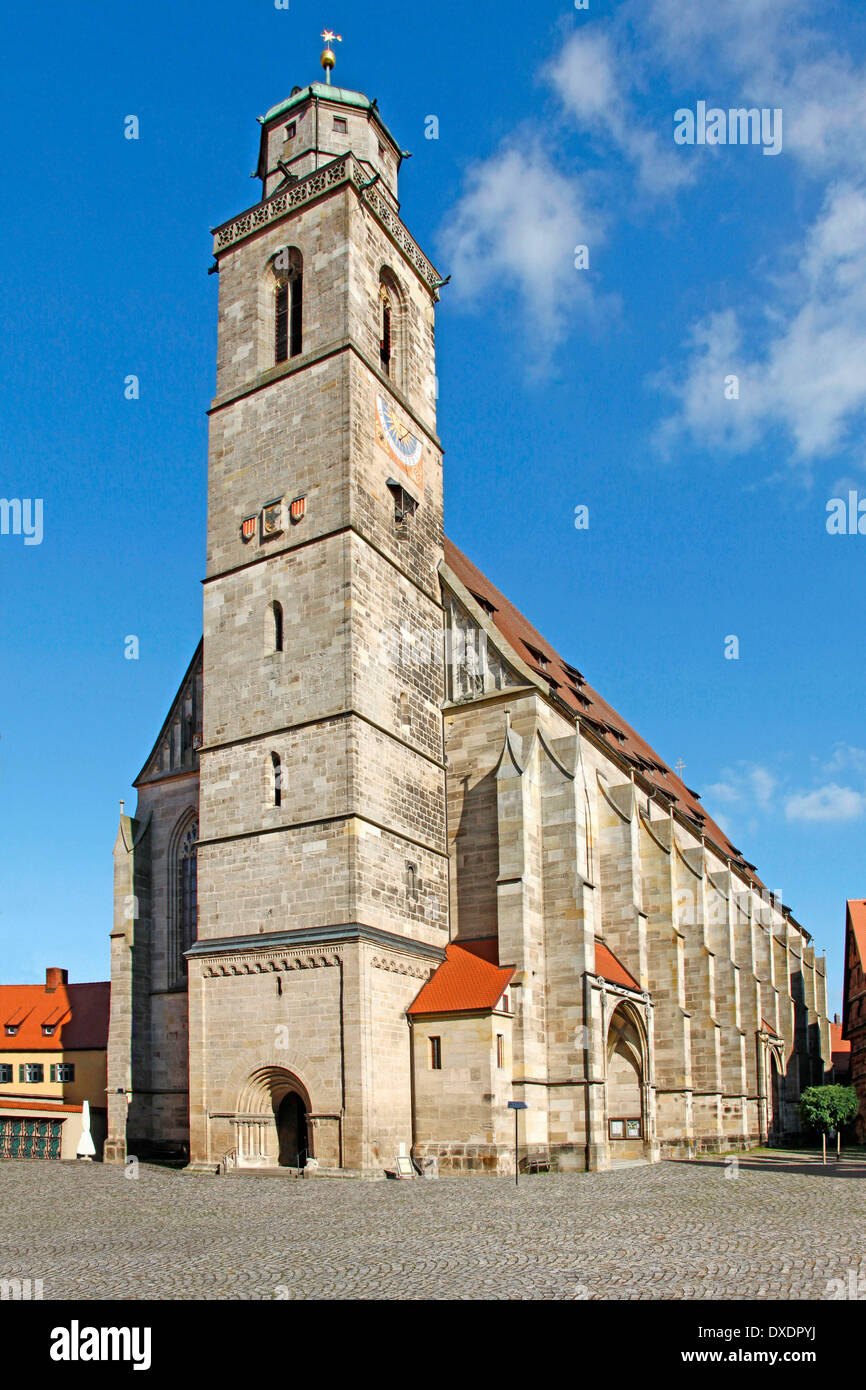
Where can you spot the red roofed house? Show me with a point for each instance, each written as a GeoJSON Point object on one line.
{"type": "Point", "coordinates": [854, 1004]}
{"type": "Point", "coordinates": [840, 1054]}
{"type": "Point", "coordinates": [394, 861]}
{"type": "Point", "coordinates": [53, 1043]}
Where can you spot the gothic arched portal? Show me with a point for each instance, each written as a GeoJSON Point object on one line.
{"type": "Point", "coordinates": [626, 1071]}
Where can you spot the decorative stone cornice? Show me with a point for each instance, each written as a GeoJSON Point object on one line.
{"type": "Point", "coordinates": [344, 169]}
{"type": "Point", "coordinates": [402, 967]}
{"type": "Point", "coordinates": [257, 965]}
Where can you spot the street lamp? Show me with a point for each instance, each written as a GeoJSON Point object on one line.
{"type": "Point", "coordinates": [516, 1106]}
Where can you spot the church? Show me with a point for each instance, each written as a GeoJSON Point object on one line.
{"type": "Point", "coordinates": [394, 864]}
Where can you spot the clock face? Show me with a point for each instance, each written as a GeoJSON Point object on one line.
{"type": "Point", "coordinates": [399, 442]}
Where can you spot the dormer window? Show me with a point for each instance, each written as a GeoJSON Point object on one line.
{"type": "Point", "coordinates": [11, 1030]}
{"type": "Point", "coordinates": [538, 657]}
{"type": "Point", "coordinates": [48, 1030]}
{"type": "Point", "coordinates": [489, 608]}
{"type": "Point", "coordinates": [341, 125]}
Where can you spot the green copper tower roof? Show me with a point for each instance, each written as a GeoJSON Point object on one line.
{"type": "Point", "coordinates": [341, 95]}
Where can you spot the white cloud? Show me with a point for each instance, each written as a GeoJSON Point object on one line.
{"type": "Point", "coordinates": [751, 787]}
{"type": "Point", "coordinates": [591, 80]}
{"type": "Point", "coordinates": [745, 784]}
{"type": "Point", "coordinates": [808, 378]}
{"type": "Point", "coordinates": [828, 803]}
{"type": "Point", "coordinates": [846, 758]}
{"type": "Point", "coordinates": [515, 227]}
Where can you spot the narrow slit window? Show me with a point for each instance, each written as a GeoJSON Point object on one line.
{"type": "Point", "coordinates": [277, 777]}
{"type": "Point", "coordinates": [278, 626]}
{"type": "Point", "coordinates": [435, 1054]}
{"type": "Point", "coordinates": [500, 1051]}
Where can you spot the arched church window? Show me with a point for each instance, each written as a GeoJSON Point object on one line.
{"type": "Point", "coordinates": [277, 611]}
{"type": "Point", "coordinates": [183, 896]}
{"type": "Point", "coordinates": [277, 779]}
{"type": "Point", "coordinates": [288, 304]}
{"type": "Point", "coordinates": [188, 890]}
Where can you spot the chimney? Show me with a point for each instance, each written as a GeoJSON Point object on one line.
{"type": "Point", "coordinates": [54, 977]}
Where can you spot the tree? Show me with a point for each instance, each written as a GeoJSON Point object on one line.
{"type": "Point", "coordinates": [828, 1107]}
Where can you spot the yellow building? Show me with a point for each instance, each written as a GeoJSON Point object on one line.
{"type": "Point", "coordinates": [53, 1041]}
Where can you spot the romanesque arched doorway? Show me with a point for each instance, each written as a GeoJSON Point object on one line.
{"type": "Point", "coordinates": [291, 1118]}
{"type": "Point", "coordinates": [272, 1120]}
{"type": "Point", "coordinates": [626, 1067]}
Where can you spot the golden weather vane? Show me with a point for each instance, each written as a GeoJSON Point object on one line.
{"type": "Point", "coordinates": [328, 58]}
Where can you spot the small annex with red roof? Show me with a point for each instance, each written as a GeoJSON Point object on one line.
{"type": "Point", "coordinates": [53, 1044]}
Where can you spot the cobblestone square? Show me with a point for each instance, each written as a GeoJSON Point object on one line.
{"type": "Point", "coordinates": [783, 1228]}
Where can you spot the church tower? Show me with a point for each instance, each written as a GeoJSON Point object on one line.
{"type": "Point", "coordinates": [322, 855]}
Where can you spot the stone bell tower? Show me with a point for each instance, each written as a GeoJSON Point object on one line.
{"type": "Point", "coordinates": [322, 864]}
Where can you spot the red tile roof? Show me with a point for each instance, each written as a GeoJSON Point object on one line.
{"type": "Point", "coordinates": [465, 982]}
{"type": "Point", "coordinates": [607, 965]}
{"type": "Point", "coordinates": [79, 1013]}
{"type": "Point", "coordinates": [487, 947]}
{"type": "Point", "coordinates": [857, 918]}
{"type": "Point", "coordinates": [588, 705]}
{"type": "Point", "coordinates": [837, 1042]}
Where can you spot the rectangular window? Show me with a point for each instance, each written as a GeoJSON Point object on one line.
{"type": "Point", "coordinates": [31, 1071]}
{"type": "Point", "coordinates": [341, 124]}
{"type": "Point", "coordinates": [5, 1074]}
{"type": "Point", "coordinates": [62, 1071]}
{"type": "Point", "coordinates": [436, 1054]}
{"type": "Point", "coordinates": [290, 130]}
{"type": "Point", "coordinates": [500, 1050]}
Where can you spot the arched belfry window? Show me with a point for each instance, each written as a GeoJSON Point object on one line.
{"type": "Point", "coordinates": [183, 896]}
{"type": "Point", "coordinates": [391, 327]}
{"type": "Point", "coordinates": [277, 779]}
{"type": "Point", "coordinates": [288, 304]}
{"type": "Point", "coordinates": [386, 311]}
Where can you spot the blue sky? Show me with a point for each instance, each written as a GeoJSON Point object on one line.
{"type": "Point", "coordinates": [558, 386]}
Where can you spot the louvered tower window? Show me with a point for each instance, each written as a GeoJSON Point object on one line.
{"type": "Point", "coordinates": [288, 305]}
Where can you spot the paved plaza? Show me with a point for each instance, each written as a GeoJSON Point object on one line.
{"type": "Point", "coordinates": [784, 1227]}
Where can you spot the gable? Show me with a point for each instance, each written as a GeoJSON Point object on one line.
{"type": "Point", "coordinates": [176, 748]}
